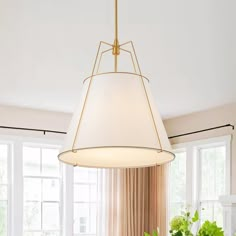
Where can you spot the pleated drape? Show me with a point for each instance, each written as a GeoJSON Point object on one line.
{"type": "Point", "coordinates": [136, 201]}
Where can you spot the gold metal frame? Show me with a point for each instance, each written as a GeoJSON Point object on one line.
{"type": "Point", "coordinates": [116, 48]}
{"type": "Point", "coordinates": [100, 147]}
{"type": "Point", "coordinates": [96, 67]}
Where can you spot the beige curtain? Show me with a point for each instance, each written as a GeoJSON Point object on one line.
{"type": "Point", "coordinates": [136, 201]}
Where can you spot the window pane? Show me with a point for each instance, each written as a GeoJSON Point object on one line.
{"type": "Point", "coordinates": [93, 175]}
{"type": "Point", "coordinates": [41, 192]}
{"type": "Point", "coordinates": [51, 216]}
{"type": "Point", "coordinates": [93, 213]}
{"type": "Point", "coordinates": [32, 189]}
{"type": "Point", "coordinates": [81, 193]}
{"type": "Point", "coordinates": [50, 163]}
{"type": "Point", "coordinates": [3, 163]}
{"type": "Point", "coordinates": [3, 218]}
{"type": "Point", "coordinates": [213, 165]}
{"type": "Point", "coordinates": [81, 175]}
{"type": "Point", "coordinates": [3, 193]}
{"type": "Point", "coordinates": [85, 198]}
{"type": "Point", "coordinates": [212, 211]}
{"type": "Point", "coordinates": [93, 193]}
{"type": "Point", "coordinates": [81, 218]}
{"type": "Point", "coordinates": [176, 208]}
{"type": "Point", "coordinates": [51, 190]}
{"type": "Point", "coordinates": [32, 216]}
{"type": "Point", "coordinates": [177, 184]}
{"type": "Point", "coordinates": [213, 179]}
{"type": "Point", "coordinates": [31, 161]}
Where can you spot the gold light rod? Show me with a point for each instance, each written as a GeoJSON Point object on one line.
{"type": "Point", "coordinates": [116, 19]}
{"type": "Point", "coordinates": [116, 46]}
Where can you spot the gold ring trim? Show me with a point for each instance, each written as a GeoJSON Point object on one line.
{"type": "Point", "coordinates": [134, 147]}
{"type": "Point", "coordinates": [115, 73]}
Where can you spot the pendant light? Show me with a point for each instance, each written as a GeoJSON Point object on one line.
{"type": "Point", "coordinates": [116, 124]}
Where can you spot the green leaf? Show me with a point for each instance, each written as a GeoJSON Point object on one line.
{"type": "Point", "coordinates": [154, 233]}
{"type": "Point", "coordinates": [146, 234]}
{"type": "Point", "coordinates": [179, 233]}
{"type": "Point", "coordinates": [195, 217]}
{"type": "Point", "coordinates": [210, 229]}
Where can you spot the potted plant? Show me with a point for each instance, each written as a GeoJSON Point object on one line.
{"type": "Point", "coordinates": [210, 229]}
{"type": "Point", "coordinates": [182, 225]}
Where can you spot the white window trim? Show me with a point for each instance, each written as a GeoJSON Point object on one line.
{"type": "Point", "coordinates": [203, 143]}
{"type": "Point", "coordinates": [68, 198]}
{"type": "Point", "coordinates": [192, 149]}
{"type": "Point", "coordinates": [79, 202]}
{"type": "Point", "coordinates": [15, 180]}
{"type": "Point", "coordinates": [39, 144]}
{"type": "Point", "coordinates": [9, 184]}
{"type": "Point", "coordinates": [177, 148]}
{"type": "Point", "coordinates": [15, 185]}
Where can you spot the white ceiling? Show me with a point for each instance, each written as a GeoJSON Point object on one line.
{"type": "Point", "coordinates": [187, 48]}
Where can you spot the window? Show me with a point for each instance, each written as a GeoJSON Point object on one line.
{"type": "Point", "coordinates": [4, 153]}
{"type": "Point", "coordinates": [200, 174]}
{"type": "Point", "coordinates": [177, 185]}
{"type": "Point", "coordinates": [212, 182]}
{"type": "Point", "coordinates": [85, 201]}
{"type": "Point", "coordinates": [42, 180]}
{"type": "Point", "coordinates": [40, 196]}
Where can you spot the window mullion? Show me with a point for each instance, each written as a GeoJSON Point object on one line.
{"type": "Point", "coordinates": [198, 179]}
{"type": "Point", "coordinates": [228, 166]}
{"type": "Point", "coordinates": [189, 175]}
{"type": "Point", "coordinates": [17, 190]}
{"type": "Point", "coordinates": [41, 182]}
{"type": "Point", "coordinates": [9, 188]}
{"type": "Point", "coordinates": [68, 215]}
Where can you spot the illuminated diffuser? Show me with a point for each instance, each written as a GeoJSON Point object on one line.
{"type": "Point", "coordinates": [116, 124]}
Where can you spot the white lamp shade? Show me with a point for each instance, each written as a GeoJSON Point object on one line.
{"type": "Point", "coordinates": [114, 126]}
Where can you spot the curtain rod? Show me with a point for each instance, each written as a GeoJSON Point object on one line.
{"type": "Point", "coordinates": [44, 131]}
{"type": "Point", "coordinates": [31, 129]}
{"type": "Point", "coordinates": [202, 130]}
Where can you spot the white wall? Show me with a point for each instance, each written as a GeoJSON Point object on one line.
{"type": "Point", "coordinates": [30, 118]}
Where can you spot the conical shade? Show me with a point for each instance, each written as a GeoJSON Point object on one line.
{"type": "Point", "coordinates": [116, 125]}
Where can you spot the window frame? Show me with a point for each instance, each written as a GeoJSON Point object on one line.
{"type": "Point", "coordinates": [8, 184]}
{"type": "Point", "coordinates": [89, 202]}
{"type": "Point", "coordinates": [193, 167]}
{"type": "Point", "coordinates": [41, 177]}
{"type": "Point", "coordinates": [179, 149]}
{"type": "Point", "coordinates": [16, 182]}
{"type": "Point", "coordinates": [15, 179]}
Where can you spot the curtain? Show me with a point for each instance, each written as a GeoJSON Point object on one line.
{"type": "Point", "coordinates": [135, 201]}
